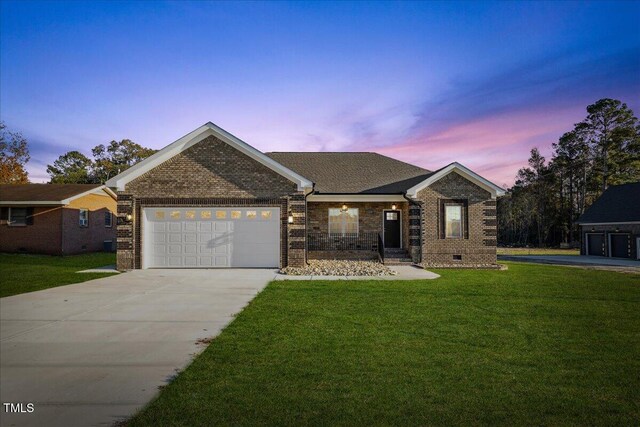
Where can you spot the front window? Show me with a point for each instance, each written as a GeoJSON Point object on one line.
{"type": "Point", "coordinates": [453, 221]}
{"type": "Point", "coordinates": [108, 218]}
{"type": "Point", "coordinates": [84, 217]}
{"type": "Point", "coordinates": [18, 216]}
{"type": "Point", "coordinates": [343, 222]}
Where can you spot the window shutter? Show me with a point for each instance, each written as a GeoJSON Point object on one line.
{"type": "Point", "coordinates": [4, 214]}
{"type": "Point", "coordinates": [29, 216]}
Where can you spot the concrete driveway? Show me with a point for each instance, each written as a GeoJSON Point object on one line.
{"type": "Point", "coordinates": [94, 353]}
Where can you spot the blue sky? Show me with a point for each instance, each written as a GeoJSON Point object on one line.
{"type": "Point", "coordinates": [480, 83]}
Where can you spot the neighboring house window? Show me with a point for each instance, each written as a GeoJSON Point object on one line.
{"type": "Point", "coordinates": [17, 216]}
{"type": "Point", "coordinates": [343, 222]}
{"type": "Point", "coordinates": [108, 217]}
{"type": "Point", "coordinates": [84, 217]}
{"type": "Point", "coordinates": [454, 219]}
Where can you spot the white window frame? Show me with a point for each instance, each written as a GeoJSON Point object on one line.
{"type": "Point", "coordinates": [461, 207]}
{"type": "Point", "coordinates": [83, 222]}
{"type": "Point", "coordinates": [13, 224]}
{"type": "Point", "coordinates": [342, 222]}
{"type": "Point", "coordinates": [110, 216]}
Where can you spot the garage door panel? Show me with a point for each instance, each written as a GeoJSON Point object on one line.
{"type": "Point", "coordinates": [209, 237]}
{"type": "Point", "coordinates": [190, 226]}
{"type": "Point", "coordinates": [620, 244]}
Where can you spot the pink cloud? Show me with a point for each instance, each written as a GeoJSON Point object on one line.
{"type": "Point", "coordinates": [496, 146]}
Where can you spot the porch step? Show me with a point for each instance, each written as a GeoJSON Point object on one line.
{"type": "Point", "coordinates": [398, 261]}
{"type": "Point", "coordinates": [397, 257]}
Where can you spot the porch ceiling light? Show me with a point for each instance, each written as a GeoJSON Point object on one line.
{"type": "Point", "coordinates": [344, 208]}
{"type": "Point", "coordinates": [394, 206]}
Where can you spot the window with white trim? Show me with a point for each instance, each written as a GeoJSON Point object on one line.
{"type": "Point", "coordinates": [84, 218]}
{"type": "Point", "coordinates": [453, 220]}
{"type": "Point", "coordinates": [343, 222]}
{"type": "Point", "coordinates": [17, 216]}
{"type": "Point", "coordinates": [108, 219]}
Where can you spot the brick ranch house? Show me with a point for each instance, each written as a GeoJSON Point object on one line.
{"type": "Point", "coordinates": [57, 219]}
{"type": "Point", "coordinates": [611, 225]}
{"type": "Point", "coordinates": [211, 200]}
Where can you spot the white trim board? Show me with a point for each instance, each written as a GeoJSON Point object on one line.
{"type": "Point", "coordinates": [461, 170]}
{"type": "Point", "coordinates": [208, 129]}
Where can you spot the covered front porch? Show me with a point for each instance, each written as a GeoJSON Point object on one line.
{"type": "Point", "coordinates": [364, 227]}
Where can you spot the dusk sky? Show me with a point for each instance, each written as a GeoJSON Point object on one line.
{"type": "Point", "coordinates": [428, 83]}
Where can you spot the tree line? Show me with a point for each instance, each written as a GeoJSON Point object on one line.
{"type": "Point", "coordinates": [548, 196]}
{"type": "Point", "coordinates": [72, 167]}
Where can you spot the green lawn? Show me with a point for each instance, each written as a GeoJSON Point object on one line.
{"type": "Point", "coordinates": [536, 344]}
{"type": "Point", "coordinates": [27, 273]}
{"type": "Point", "coordinates": [537, 251]}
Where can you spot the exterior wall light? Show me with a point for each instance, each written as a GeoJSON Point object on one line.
{"type": "Point", "coordinates": [344, 208]}
{"type": "Point", "coordinates": [394, 207]}
{"type": "Point", "coordinates": [290, 218]}
{"type": "Point", "coordinates": [128, 217]}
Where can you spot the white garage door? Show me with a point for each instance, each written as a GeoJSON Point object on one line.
{"type": "Point", "coordinates": [211, 237]}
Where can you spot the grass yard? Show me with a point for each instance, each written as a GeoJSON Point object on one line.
{"type": "Point", "coordinates": [536, 344]}
{"type": "Point", "coordinates": [537, 251]}
{"type": "Point", "coordinates": [27, 273]}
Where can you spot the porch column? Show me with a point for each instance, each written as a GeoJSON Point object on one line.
{"type": "Point", "coordinates": [124, 232]}
{"type": "Point", "coordinates": [415, 215]}
{"type": "Point", "coordinates": [296, 233]}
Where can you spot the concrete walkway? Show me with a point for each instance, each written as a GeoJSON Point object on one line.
{"type": "Point", "coordinates": [94, 353]}
{"type": "Point", "coordinates": [613, 264]}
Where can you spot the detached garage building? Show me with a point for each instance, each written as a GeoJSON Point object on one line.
{"type": "Point", "coordinates": [611, 226]}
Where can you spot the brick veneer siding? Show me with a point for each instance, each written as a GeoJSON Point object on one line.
{"type": "Point", "coordinates": [479, 247]}
{"type": "Point", "coordinates": [56, 230]}
{"type": "Point", "coordinates": [43, 237]}
{"type": "Point", "coordinates": [76, 239]}
{"type": "Point", "coordinates": [633, 229]}
{"type": "Point", "coordinates": [210, 173]}
{"type": "Point", "coordinates": [369, 221]}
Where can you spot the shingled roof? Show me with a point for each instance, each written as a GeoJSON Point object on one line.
{"type": "Point", "coordinates": [353, 173]}
{"type": "Point", "coordinates": [620, 203]}
{"type": "Point", "coordinates": [43, 192]}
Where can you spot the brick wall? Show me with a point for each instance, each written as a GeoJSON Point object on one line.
{"type": "Point", "coordinates": [43, 237]}
{"type": "Point", "coordinates": [479, 248]}
{"type": "Point", "coordinates": [77, 239]}
{"type": "Point", "coordinates": [208, 174]}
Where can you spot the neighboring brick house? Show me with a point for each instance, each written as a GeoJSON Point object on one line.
{"type": "Point", "coordinates": [611, 225]}
{"type": "Point", "coordinates": [211, 200]}
{"type": "Point", "coordinates": [57, 219]}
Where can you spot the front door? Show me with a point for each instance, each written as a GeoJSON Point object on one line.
{"type": "Point", "coordinates": [392, 229]}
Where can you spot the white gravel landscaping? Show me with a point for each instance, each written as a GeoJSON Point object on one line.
{"type": "Point", "coordinates": [340, 268]}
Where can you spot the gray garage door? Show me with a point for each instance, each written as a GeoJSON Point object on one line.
{"type": "Point", "coordinates": [595, 244]}
{"type": "Point", "coordinates": [620, 245]}
{"type": "Point", "coordinates": [211, 237]}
